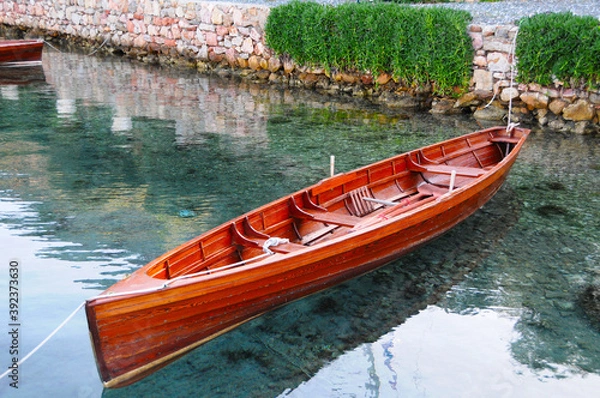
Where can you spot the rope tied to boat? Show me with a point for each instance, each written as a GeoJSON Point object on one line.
{"type": "Point", "coordinates": [92, 53]}
{"type": "Point", "coordinates": [273, 242]}
{"type": "Point", "coordinates": [509, 125]}
{"type": "Point", "coordinates": [26, 357]}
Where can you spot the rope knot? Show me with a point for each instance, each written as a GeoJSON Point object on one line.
{"type": "Point", "coordinates": [273, 242]}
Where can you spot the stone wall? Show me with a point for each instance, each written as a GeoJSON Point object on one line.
{"type": "Point", "coordinates": [229, 38]}
{"type": "Point", "coordinates": [558, 107]}
{"type": "Point", "coordinates": [199, 31]}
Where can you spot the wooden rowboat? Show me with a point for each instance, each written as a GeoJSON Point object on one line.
{"type": "Point", "coordinates": [342, 227]}
{"type": "Point", "coordinates": [21, 52]}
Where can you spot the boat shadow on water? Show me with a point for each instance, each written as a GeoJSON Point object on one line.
{"type": "Point", "coordinates": [287, 346]}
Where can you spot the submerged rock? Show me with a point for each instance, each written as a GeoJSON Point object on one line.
{"type": "Point", "coordinates": [589, 300]}
{"type": "Point", "coordinates": [187, 213]}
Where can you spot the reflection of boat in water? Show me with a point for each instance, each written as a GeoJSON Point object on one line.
{"type": "Point", "coordinates": [21, 52]}
{"type": "Point", "coordinates": [18, 75]}
{"type": "Point", "coordinates": [313, 239]}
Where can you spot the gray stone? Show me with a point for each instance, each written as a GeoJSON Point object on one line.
{"type": "Point", "coordinates": [492, 112]}
{"type": "Point", "coordinates": [444, 107]}
{"type": "Point", "coordinates": [508, 94]}
{"type": "Point", "coordinates": [483, 80]}
{"type": "Point", "coordinates": [467, 100]}
{"type": "Point", "coordinates": [498, 62]}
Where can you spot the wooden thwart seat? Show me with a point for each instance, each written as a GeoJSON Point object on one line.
{"type": "Point", "coordinates": [503, 139]}
{"type": "Point", "coordinates": [314, 212]}
{"type": "Point", "coordinates": [335, 218]}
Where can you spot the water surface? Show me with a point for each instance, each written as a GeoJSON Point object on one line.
{"type": "Point", "coordinates": [105, 164]}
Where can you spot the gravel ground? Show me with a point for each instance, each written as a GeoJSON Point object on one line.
{"type": "Point", "coordinates": [513, 10]}
{"type": "Point", "coordinates": [496, 12]}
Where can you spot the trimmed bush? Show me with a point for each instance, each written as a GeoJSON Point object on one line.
{"type": "Point", "coordinates": [559, 46]}
{"type": "Point", "coordinates": [417, 45]}
{"type": "Point", "coordinates": [300, 29]}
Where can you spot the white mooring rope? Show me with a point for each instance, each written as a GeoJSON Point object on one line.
{"type": "Point", "coordinates": [509, 125]}
{"type": "Point", "coordinates": [26, 357]}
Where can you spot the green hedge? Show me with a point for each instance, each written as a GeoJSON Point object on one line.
{"type": "Point", "coordinates": [417, 45]}
{"type": "Point", "coordinates": [559, 46]}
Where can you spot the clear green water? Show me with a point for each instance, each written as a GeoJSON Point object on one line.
{"type": "Point", "coordinates": [106, 164]}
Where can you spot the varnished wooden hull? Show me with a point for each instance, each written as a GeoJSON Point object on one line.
{"type": "Point", "coordinates": [139, 325]}
{"type": "Point", "coordinates": [20, 51]}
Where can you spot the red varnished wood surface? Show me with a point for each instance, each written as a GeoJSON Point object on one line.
{"type": "Point", "coordinates": [329, 242]}
{"type": "Point", "coordinates": [12, 51]}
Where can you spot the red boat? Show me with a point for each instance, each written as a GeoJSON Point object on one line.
{"type": "Point", "coordinates": [20, 51]}
{"type": "Point", "coordinates": [308, 241]}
